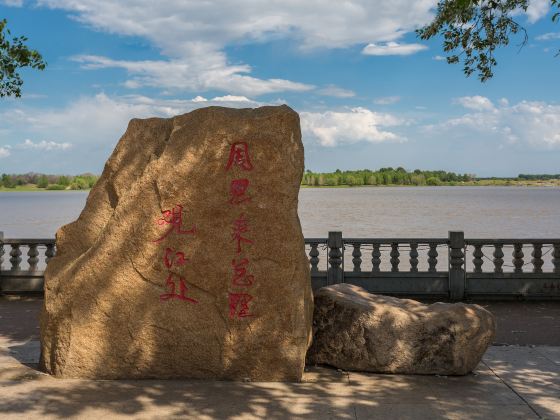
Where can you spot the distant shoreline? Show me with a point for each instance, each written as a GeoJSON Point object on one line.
{"type": "Point", "coordinates": [482, 183]}
{"type": "Point", "coordinates": [548, 184]}
{"type": "Point", "coordinates": [25, 188]}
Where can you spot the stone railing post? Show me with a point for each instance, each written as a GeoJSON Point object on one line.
{"type": "Point", "coordinates": [456, 264]}
{"type": "Point", "coordinates": [555, 258]}
{"type": "Point", "coordinates": [335, 272]}
{"type": "Point", "coordinates": [1, 250]}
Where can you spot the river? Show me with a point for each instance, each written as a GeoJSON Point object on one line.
{"type": "Point", "coordinates": [483, 212]}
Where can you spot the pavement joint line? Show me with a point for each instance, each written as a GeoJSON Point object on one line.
{"type": "Point", "coordinates": [513, 390]}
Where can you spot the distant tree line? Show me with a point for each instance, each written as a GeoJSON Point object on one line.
{"type": "Point", "coordinates": [384, 176]}
{"type": "Point", "coordinates": [538, 177]}
{"type": "Point", "coordinates": [49, 182]}
{"type": "Point", "coordinates": [400, 176]}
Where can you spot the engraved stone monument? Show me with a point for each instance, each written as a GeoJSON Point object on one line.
{"type": "Point", "coordinates": [188, 259]}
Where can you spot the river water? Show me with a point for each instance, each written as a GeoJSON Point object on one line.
{"type": "Point", "coordinates": [481, 212]}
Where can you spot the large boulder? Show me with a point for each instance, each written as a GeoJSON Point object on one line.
{"type": "Point", "coordinates": [356, 330]}
{"type": "Point", "coordinates": [188, 259]}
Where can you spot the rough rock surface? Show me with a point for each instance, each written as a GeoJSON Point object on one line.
{"type": "Point", "coordinates": [188, 259]}
{"type": "Point", "coordinates": [356, 330]}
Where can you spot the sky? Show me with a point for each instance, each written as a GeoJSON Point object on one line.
{"type": "Point", "coordinates": [370, 94]}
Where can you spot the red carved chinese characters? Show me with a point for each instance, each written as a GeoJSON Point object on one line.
{"type": "Point", "coordinates": [174, 218]}
{"type": "Point", "coordinates": [240, 276]}
{"type": "Point", "coordinates": [174, 258]}
{"type": "Point", "coordinates": [239, 305]}
{"type": "Point", "coordinates": [240, 226]}
{"type": "Point", "coordinates": [239, 298]}
{"type": "Point", "coordinates": [239, 156]}
{"type": "Point", "coordinates": [171, 287]}
{"type": "Point", "coordinates": [237, 191]}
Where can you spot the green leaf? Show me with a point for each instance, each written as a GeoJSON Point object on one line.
{"type": "Point", "coordinates": [14, 55]}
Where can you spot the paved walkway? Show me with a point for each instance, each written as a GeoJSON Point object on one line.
{"type": "Point", "coordinates": [511, 382]}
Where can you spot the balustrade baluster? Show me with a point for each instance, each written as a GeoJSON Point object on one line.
{"type": "Point", "coordinates": [395, 257]}
{"type": "Point", "coordinates": [518, 258]}
{"type": "Point", "coordinates": [537, 258]}
{"type": "Point", "coordinates": [49, 253]}
{"type": "Point", "coordinates": [335, 258]}
{"type": "Point", "coordinates": [1, 255]}
{"type": "Point", "coordinates": [432, 258]}
{"type": "Point", "coordinates": [357, 258]}
{"type": "Point", "coordinates": [556, 258]}
{"type": "Point", "coordinates": [477, 260]}
{"type": "Point", "coordinates": [375, 259]}
{"type": "Point", "coordinates": [15, 255]}
{"type": "Point", "coordinates": [314, 258]}
{"type": "Point", "coordinates": [498, 258]}
{"type": "Point", "coordinates": [413, 257]}
{"type": "Point", "coordinates": [33, 260]}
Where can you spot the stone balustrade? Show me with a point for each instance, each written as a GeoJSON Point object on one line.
{"type": "Point", "coordinates": [452, 268]}
{"type": "Point", "coordinates": [22, 263]}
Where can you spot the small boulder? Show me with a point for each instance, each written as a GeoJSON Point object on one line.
{"type": "Point", "coordinates": [359, 331]}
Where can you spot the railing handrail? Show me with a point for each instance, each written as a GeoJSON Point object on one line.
{"type": "Point", "coordinates": [315, 240]}
{"type": "Point", "coordinates": [441, 241]}
{"type": "Point", "coordinates": [510, 241]}
{"type": "Point", "coordinates": [27, 241]}
{"type": "Point", "coordinates": [468, 241]}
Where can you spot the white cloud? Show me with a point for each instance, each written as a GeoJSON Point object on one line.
{"type": "Point", "coordinates": [178, 24]}
{"type": "Point", "coordinates": [393, 48]}
{"type": "Point", "coordinates": [199, 73]}
{"type": "Point", "coordinates": [548, 36]}
{"type": "Point", "coordinates": [387, 100]}
{"type": "Point", "coordinates": [12, 3]}
{"type": "Point", "coordinates": [199, 99]}
{"type": "Point", "coordinates": [537, 9]}
{"type": "Point", "coordinates": [231, 98]}
{"type": "Point", "coordinates": [4, 151]}
{"type": "Point", "coordinates": [332, 128]}
{"type": "Point", "coordinates": [193, 35]}
{"type": "Point", "coordinates": [336, 92]}
{"type": "Point", "coordinates": [532, 124]}
{"type": "Point", "coordinates": [477, 103]}
{"type": "Point", "coordinates": [44, 145]}
{"type": "Point", "coordinates": [98, 120]}
{"type": "Point", "coordinates": [438, 57]}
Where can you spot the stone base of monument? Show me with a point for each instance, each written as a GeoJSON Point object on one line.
{"type": "Point", "coordinates": [358, 331]}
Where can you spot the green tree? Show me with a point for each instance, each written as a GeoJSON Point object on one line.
{"type": "Point", "coordinates": [14, 54]}
{"type": "Point", "coordinates": [79, 183]}
{"type": "Point", "coordinates": [7, 181]}
{"type": "Point", "coordinates": [433, 181]}
{"type": "Point", "coordinates": [43, 182]}
{"type": "Point", "coordinates": [353, 181]}
{"type": "Point", "coordinates": [472, 30]}
{"type": "Point", "coordinates": [63, 180]}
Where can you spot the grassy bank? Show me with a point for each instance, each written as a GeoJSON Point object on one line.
{"type": "Point", "coordinates": [34, 188]}
{"type": "Point", "coordinates": [480, 183]}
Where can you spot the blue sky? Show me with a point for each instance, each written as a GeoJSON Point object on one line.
{"type": "Point", "coordinates": [369, 93]}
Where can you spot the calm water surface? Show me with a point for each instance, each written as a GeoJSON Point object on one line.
{"type": "Point", "coordinates": [514, 212]}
